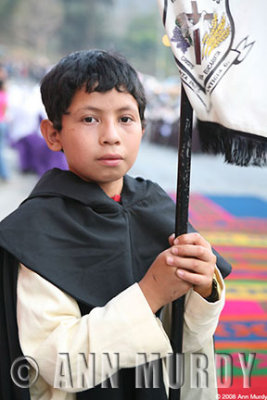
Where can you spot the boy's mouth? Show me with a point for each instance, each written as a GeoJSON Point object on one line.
{"type": "Point", "coordinates": [110, 159]}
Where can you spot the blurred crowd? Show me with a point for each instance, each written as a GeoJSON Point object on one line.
{"type": "Point", "coordinates": [163, 112]}
{"type": "Point", "coordinates": [21, 111]}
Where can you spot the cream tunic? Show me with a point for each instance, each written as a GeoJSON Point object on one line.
{"type": "Point", "coordinates": [53, 332]}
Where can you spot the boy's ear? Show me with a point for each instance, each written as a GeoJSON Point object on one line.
{"type": "Point", "coordinates": [143, 127]}
{"type": "Point", "coordinates": [51, 135]}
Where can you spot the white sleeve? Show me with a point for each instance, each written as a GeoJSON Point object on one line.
{"type": "Point", "coordinates": [201, 317]}
{"type": "Point", "coordinates": [51, 328]}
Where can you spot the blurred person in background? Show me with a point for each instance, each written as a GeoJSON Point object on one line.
{"type": "Point", "coordinates": [26, 112]}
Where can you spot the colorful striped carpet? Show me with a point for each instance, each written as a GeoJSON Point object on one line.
{"type": "Point", "coordinates": [237, 228]}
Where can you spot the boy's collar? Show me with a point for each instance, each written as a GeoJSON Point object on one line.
{"type": "Point", "coordinates": [65, 184]}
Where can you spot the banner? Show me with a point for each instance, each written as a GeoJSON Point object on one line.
{"type": "Point", "coordinates": [221, 53]}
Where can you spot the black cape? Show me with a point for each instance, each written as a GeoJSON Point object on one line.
{"type": "Point", "coordinates": [72, 234]}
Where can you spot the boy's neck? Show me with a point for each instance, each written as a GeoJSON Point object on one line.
{"type": "Point", "coordinates": [112, 188]}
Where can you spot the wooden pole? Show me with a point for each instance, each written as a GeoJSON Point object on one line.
{"type": "Point", "coordinates": [181, 221]}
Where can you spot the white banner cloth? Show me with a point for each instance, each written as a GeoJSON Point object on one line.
{"type": "Point", "coordinates": [220, 48]}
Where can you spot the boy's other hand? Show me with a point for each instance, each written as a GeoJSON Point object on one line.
{"type": "Point", "coordinates": [161, 284]}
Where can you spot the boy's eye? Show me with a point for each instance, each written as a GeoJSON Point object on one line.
{"type": "Point", "coordinates": [89, 120]}
{"type": "Point", "coordinates": [126, 119]}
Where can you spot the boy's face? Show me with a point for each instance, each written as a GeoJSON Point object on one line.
{"type": "Point", "coordinates": [100, 137]}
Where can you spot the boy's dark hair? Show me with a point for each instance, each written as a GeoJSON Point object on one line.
{"type": "Point", "coordinates": [95, 70]}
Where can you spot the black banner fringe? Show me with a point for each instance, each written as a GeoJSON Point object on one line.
{"type": "Point", "coordinates": [238, 147]}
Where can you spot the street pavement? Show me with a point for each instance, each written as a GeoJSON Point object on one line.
{"type": "Point", "coordinates": [209, 175]}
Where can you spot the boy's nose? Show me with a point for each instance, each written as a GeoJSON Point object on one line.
{"type": "Point", "coordinates": [110, 134]}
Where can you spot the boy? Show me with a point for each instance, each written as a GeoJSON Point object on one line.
{"type": "Point", "coordinates": [95, 261]}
